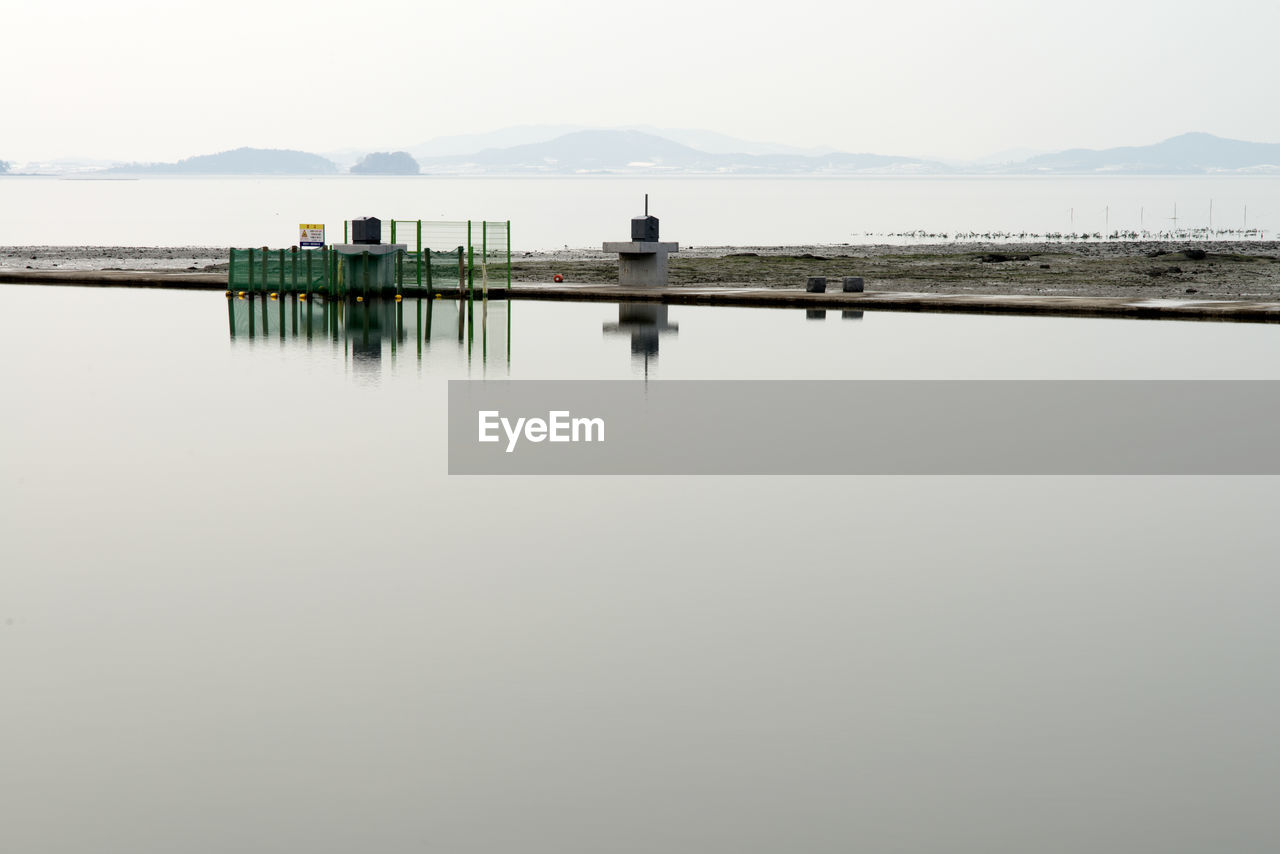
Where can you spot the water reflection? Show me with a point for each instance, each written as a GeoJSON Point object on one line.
{"type": "Point", "coordinates": [368, 330]}
{"type": "Point", "coordinates": [645, 323]}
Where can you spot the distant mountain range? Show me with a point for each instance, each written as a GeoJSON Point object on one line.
{"type": "Point", "coordinates": [1189, 153]}
{"type": "Point", "coordinates": [706, 141]}
{"type": "Point", "coordinates": [636, 152]}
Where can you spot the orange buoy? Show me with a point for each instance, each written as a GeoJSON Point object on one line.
{"type": "Point", "coordinates": [557, 278]}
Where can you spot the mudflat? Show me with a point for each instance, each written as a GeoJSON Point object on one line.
{"type": "Point", "coordinates": [1239, 270]}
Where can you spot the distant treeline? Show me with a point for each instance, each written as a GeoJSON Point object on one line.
{"type": "Point", "coordinates": [241, 161]}
{"type": "Point", "coordinates": [273, 161]}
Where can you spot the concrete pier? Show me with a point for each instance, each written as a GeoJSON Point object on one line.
{"type": "Point", "coordinates": [642, 263]}
{"type": "Point", "coordinates": [850, 304]}
{"type": "Point", "coordinates": [642, 260]}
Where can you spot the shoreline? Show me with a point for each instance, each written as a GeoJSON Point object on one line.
{"type": "Point", "coordinates": [1208, 270]}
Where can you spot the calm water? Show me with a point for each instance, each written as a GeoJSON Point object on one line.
{"type": "Point", "coordinates": [244, 608]}
{"type": "Point", "coordinates": [551, 213]}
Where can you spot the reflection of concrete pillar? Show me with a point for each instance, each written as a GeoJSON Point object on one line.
{"type": "Point", "coordinates": [851, 315]}
{"type": "Point", "coordinates": [645, 323]}
{"type": "Point", "coordinates": [815, 314]}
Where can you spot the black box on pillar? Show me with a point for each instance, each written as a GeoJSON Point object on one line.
{"type": "Point", "coordinates": [366, 229]}
{"type": "Point", "coordinates": [644, 229]}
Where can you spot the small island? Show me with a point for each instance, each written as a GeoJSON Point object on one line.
{"type": "Point", "coordinates": [387, 163]}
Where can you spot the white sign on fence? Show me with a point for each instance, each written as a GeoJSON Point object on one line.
{"type": "Point", "coordinates": [310, 235]}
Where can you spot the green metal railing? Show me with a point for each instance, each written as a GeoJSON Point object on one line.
{"type": "Point", "coordinates": [486, 245]}
{"type": "Point", "coordinates": [445, 255]}
{"type": "Point", "coordinates": [331, 273]}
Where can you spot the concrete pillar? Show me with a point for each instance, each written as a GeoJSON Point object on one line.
{"type": "Point", "coordinates": [642, 263]}
{"type": "Point", "coordinates": [816, 285]}
{"type": "Point", "coordinates": [852, 284]}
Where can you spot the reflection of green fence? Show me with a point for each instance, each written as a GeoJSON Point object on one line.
{"type": "Point", "coordinates": [368, 329]}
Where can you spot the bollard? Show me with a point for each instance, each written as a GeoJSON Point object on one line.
{"type": "Point", "coordinates": [816, 285]}
{"type": "Point", "coordinates": [852, 284]}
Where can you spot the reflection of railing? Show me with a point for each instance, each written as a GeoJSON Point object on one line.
{"type": "Point", "coordinates": [364, 328]}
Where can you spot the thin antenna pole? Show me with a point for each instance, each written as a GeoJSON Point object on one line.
{"type": "Point", "coordinates": [646, 204]}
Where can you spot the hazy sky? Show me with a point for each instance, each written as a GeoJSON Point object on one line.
{"type": "Point", "coordinates": [152, 80]}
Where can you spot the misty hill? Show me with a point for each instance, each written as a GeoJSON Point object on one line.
{"type": "Point", "coordinates": [629, 151]}
{"type": "Point", "coordinates": [387, 163]}
{"type": "Point", "coordinates": [703, 140]}
{"type": "Point", "coordinates": [241, 161]}
{"type": "Point", "coordinates": [1189, 153]}
{"type": "Point", "coordinates": [469, 143]}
